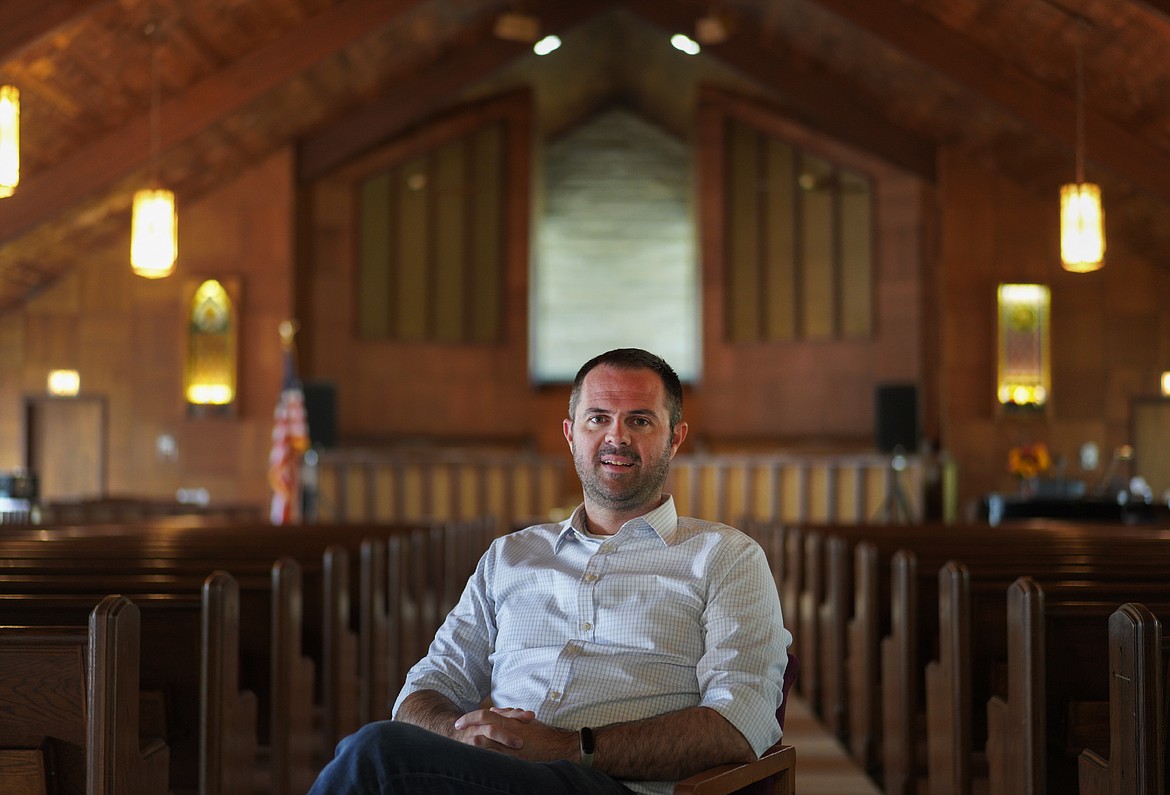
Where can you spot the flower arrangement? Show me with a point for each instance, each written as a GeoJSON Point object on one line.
{"type": "Point", "coordinates": [1029, 460]}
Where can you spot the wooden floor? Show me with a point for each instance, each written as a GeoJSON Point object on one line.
{"type": "Point", "coordinates": [822, 766]}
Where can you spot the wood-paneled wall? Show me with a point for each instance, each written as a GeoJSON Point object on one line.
{"type": "Point", "coordinates": [942, 251]}
{"type": "Point", "coordinates": [778, 391]}
{"type": "Point", "coordinates": [1110, 329]}
{"type": "Point", "coordinates": [126, 336]}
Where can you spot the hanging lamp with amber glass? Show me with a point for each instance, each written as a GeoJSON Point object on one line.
{"type": "Point", "coordinates": [9, 140]}
{"type": "Point", "coordinates": [154, 230]}
{"type": "Point", "coordinates": [1082, 221]}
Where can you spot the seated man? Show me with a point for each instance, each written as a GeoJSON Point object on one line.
{"type": "Point", "coordinates": [622, 650]}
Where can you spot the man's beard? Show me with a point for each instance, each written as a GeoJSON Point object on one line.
{"type": "Point", "coordinates": [636, 492]}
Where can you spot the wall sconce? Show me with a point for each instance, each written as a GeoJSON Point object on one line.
{"type": "Point", "coordinates": [1023, 379]}
{"type": "Point", "coordinates": [9, 140]}
{"type": "Point", "coordinates": [64, 383]}
{"type": "Point", "coordinates": [1166, 384]}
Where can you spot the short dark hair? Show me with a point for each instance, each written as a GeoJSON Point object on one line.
{"type": "Point", "coordinates": [633, 359]}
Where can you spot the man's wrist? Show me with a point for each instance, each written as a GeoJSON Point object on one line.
{"type": "Point", "coordinates": [586, 746]}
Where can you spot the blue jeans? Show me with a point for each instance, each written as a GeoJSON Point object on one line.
{"type": "Point", "coordinates": [392, 757]}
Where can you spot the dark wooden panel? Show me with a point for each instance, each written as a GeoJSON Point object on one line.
{"type": "Point", "coordinates": [856, 257]}
{"type": "Point", "coordinates": [486, 261]}
{"type": "Point", "coordinates": [743, 255]}
{"type": "Point", "coordinates": [818, 230]}
{"type": "Point", "coordinates": [373, 254]}
{"type": "Point", "coordinates": [780, 242]}
{"type": "Point", "coordinates": [412, 251]}
{"type": "Point", "coordinates": [449, 207]}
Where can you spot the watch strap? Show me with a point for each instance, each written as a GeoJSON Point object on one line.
{"type": "Point", "coordinates": [585, 736]}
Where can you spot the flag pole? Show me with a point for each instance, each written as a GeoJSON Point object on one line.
{"type": "Point", "coordinates": [290, 435]}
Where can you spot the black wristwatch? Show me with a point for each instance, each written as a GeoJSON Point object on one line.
{"type": "Point", "coordinates": [586, 735]}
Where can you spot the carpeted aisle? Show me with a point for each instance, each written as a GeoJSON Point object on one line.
{"type": "Point", "coordinates": [823, 767]}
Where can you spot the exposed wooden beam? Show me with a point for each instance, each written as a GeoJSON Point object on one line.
{"type": "Point", "coordinates": [417, 98]}
{"type": "Point", "coordinates": [1159, 7]}
{"type": "Point", "coordinates": [816, 95]}
{"type": "Point", "coordinates": [117, 155]}
{"type": "Point", "coordinates": [23, 24]}
{"type": "Point", "coordinates": [920, 37]}
{"type": "Point", "coordinates": [424, 95]}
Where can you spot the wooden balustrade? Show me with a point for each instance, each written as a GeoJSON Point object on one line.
{"type": "Point", "coordinates": [521, 487]}
{"type": "Point", "coordinates": [798, 488]}
{"type": "Point", "coordinates": [362, 485]}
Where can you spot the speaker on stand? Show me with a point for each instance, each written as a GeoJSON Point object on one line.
{"type": "Point", "coordinates": [897, 432]}
{"type": "Point", "coordinates": [321, 417]}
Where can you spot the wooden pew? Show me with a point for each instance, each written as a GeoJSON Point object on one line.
{"type": "Point", "coordinates": [429, 565]}
{"type": "Point", "coordinates": [1073, 622]}
{"type": "Point", "coordinates": [809, 617]}
{"type": "Point", "coordinates": [863, 658]}
{"type": "Point", "coordinates": [1043, 678]}
{"type": "Point", "coordinates": [1018, 766]}
{"type": "Point", "coordinates": [377, 667]}
{"type": "Point", "coordinates": [1014, 625]}
{"type": "Point", "coordinates": [949, 699]}
{"type": "Point", "coordinates": [74, 693]}
{"type": "Point", "coordinates": [896, 746]}
{"type": "Point", "coordinates": [1137, 710]}
{"type": "Point", "coordinates": [227, 725]}
{"type": "Point", "coordinates": [294, 746]}
{"type": "Point", "coordinates": [189, 662]}
{"type": "Point", "coordinates": [169, 549]}
{"type": "Point", "coordinates": [172, 615]}
{"type": "Point", "coordinates": [899, 655]}
{"type": "Point", "coordinates": [341, 675]}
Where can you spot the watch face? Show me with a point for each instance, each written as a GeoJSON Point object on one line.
{"type": "Point", "coordinates": [587, 740]}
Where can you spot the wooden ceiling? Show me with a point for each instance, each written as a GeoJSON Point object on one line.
{"type": "Point", "coordinates": [240, 79]}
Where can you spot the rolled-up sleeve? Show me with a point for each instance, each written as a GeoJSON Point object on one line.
{"type": "Point", "coordinates": [742, 669]}
{"type": "Point", "coordinates": [457, 664]}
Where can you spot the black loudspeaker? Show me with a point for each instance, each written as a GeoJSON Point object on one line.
{"type": "Point", "coordinates": [321, 412]}
{"type": "Point", "coordinates": [896, 417]}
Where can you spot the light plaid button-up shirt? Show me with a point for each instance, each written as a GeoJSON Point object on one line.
{"type": "Point", "coordinates": [668, 613]}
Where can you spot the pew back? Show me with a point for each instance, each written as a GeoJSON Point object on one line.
{"type": "Point", "coordinates": [74, 690]}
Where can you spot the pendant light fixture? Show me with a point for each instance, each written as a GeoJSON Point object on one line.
{"type": "Point", "coordinates": [9, 140]}
{"type": "Point", "coordinates": [1082, 221]}
{"type": "Point", "coordinates": [154, 230]}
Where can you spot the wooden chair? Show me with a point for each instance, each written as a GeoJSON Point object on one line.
{"type": "Point", "coordinates": [774, 773]}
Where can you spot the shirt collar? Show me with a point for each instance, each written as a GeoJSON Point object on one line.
{"type": "Point", "coordinates": [662, 521]}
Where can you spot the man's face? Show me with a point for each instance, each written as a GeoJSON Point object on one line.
{"type": "Point", "coordinates": [621, 438]}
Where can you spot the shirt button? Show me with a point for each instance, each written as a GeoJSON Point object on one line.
{"type": "Point", "coordinates": [590, 577]}
{"type": "Point", "coordinates": [605, 549]}
{"type": "Point", "coordinates": [554, 695]}
{"type": "Point", "coordinates": [586, 626]}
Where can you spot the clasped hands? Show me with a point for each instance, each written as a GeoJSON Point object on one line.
{"type": "Point", "coordinates": [516, 732]}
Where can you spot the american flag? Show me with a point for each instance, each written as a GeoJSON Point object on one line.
{"type": "Point", "coordinates": [290, 439]}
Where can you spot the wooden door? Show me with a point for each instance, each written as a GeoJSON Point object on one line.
{"type": "Point", "coordinates": [65, 446]}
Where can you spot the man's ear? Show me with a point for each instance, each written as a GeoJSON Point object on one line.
{"type": "Point", "coordinates": [567, 428]}
{"type": "Point", "coordinates": [676, 439]}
